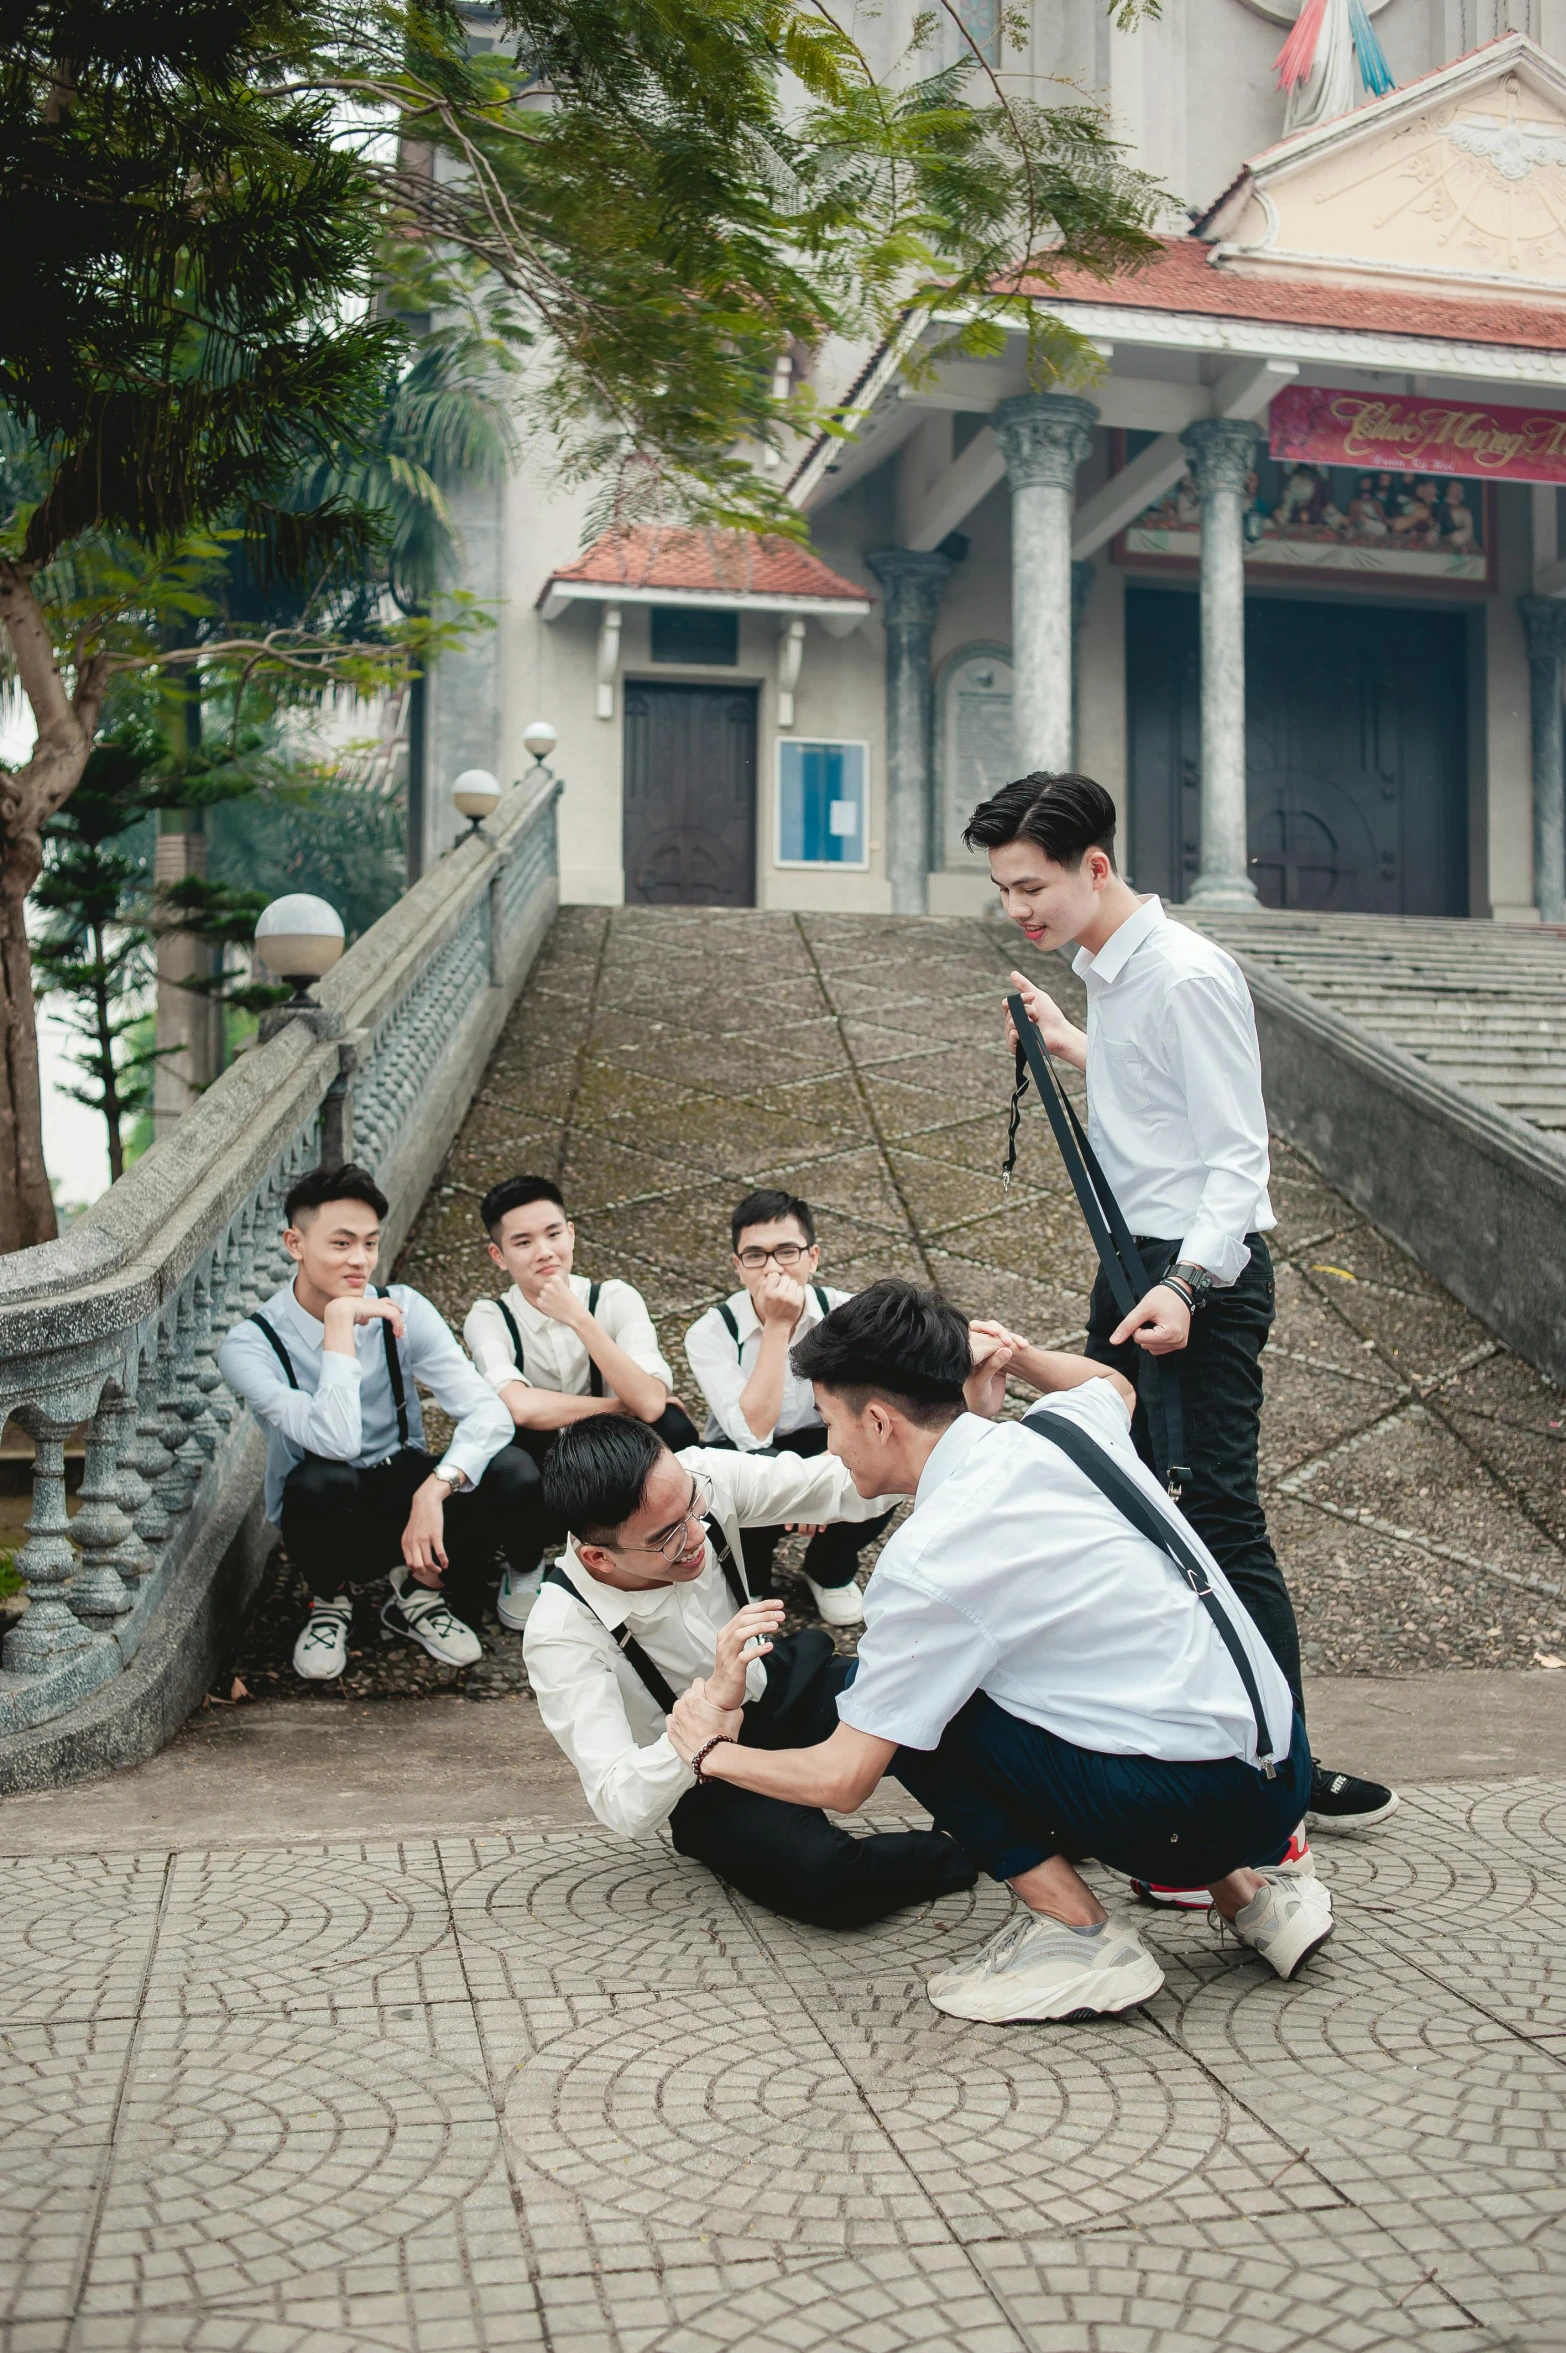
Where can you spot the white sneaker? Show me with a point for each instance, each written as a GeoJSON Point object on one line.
{"type": "Point", "coordinates": [321, 1653]}
{"type": "Point", "coordinates": [517, 1595]}
{"type": "Point", "coordinates": [1039, 1968]}
{"type": "Point", "coordinates": [418, 1611]}
{"type": "Point", "coordinates": [1286, 1922]}
{"type": "Point", "coordinates": [838, 1605]}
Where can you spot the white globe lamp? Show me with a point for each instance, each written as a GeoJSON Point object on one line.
{"type": "Point", "coordinates": [540, 739]}
{"type": "Point", "coordinates": [298, 938]}
{"type": "Point", "coordinates": [476, 795]}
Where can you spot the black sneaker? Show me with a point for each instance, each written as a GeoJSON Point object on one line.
{"type": "Point", "coordinates": [1341, 1801]}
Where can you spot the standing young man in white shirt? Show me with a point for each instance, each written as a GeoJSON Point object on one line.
{"type": "Point", "coordinates": [1050, 1670]}
{"type": "Point", "coordinates": [739, 1353]}
{"type": "Point", "coordinates": [330, 1370]}
{"type": "Point", "coordinates": [1176, 1117]}
{"type": "Point", "coordinates": [557, 1349]}
{"type": "Point", "coordinates": [652, 1593]}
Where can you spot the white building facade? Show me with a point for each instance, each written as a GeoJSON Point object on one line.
{"type": "Point", "coordinates": [1285, 573]}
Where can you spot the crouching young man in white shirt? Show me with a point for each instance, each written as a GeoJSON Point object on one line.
{"type": "Point", "coordinates": [651, 1593]}
{"type": "Point", "coordinates": [329, 1368]}
{"type": "Point", "coordinates": [1037, 1671]}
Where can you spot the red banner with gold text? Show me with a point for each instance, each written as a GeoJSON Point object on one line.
{"type": "Point", "coordinates": [1417, 433]}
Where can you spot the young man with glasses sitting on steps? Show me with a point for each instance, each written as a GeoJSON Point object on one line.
{"type": "Point", "coordinates": [650, 1594]}
{"type": "Point", "coordinates": [739, 1355]}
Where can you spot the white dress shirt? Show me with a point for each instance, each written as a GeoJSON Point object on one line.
{"type": "Point", "coordinates": [722, 1368]}
{"type": "Point", "coordinates": [343, 1408]}
{"type": "Point", "coordinates": [588, 1693]}
{"type": "Point", "coordinates": [1174, 1089]}
{"type": "Point", "coordinates": [1014, 1576]}
{"type": "Point", "coordinates": [556, 1357]}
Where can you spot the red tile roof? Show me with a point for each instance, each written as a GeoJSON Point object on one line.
{"type": "Point", "coordinates": [1184, 277]}
{"type": "Point", "coordinates": [717, 563]}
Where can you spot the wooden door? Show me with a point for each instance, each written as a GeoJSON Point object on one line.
{"type": "Point", "coordinates": [690, 796]}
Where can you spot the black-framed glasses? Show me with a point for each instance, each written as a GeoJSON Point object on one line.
{"type": "Point", "coordinates": [671, 1546]}
{"type": "Point", "coordinates": [786, 1254]}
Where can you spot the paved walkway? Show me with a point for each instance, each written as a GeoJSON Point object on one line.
{"type": "Point", "coordinates": [272, 2089]}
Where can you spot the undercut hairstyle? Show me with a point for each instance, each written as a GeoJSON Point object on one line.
{"type": "Point", "coordinates": [348, 1183]}
{"type": "Point", "coordinates": [516, 1193]}
{"type": "Point", "coordinates": [893, 1341]}
{"type": "Point", "coordinates": [596, 1473]}
{"type": "Point", "coordinates": [767, 1207]}
{"type": "Point", "coordinates": [1065, 816]}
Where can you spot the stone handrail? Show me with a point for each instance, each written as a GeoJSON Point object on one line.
{"type": "Point", "coordinates": [117, 1324]}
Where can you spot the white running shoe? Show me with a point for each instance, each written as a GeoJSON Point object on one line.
{"type": "Point", "coordinates": [838, 1605]}
{"type": "Point", "coordinates": [321, 1653]}
{"type": "Point", "coordinates": [1039, 1968]}
{"type": "Point", "coordinates": [417, 1611]}
{"type": "Point", "coordinates": [1286, 1922]}
{"type": "Point", "coordinates": [517, 1595]}
{"type": "Point", "coordinates": [1297, 1863]}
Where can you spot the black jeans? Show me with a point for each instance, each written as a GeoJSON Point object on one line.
{"type": "Point", "coordinates": [532, 1532]}
{"type": "Point", "coordinates": [832, 1558]}
{"type": "Point", "coordinates": [342, 1525]}
{"type": "Point", "coordinates": [1220, 1404]}
{"type": "Point", "coordinates": [791, 1858]}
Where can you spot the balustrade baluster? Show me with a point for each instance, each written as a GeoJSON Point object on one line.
{"type": "Point", "coordinates": [150, 1457]}
{"type": "Point", "coordinates": [217, 1410]}
{"type": "Point", "coordinates": [97, 1591]}
{"type": "Point", "coordinates": [48, 1631]}
{"type": "Point", "coordinates": [131, 1555]}
{"type": "Point", "coordinates": [174, 1486]}
{"type": "Point", "coordinates": [200, 1440]}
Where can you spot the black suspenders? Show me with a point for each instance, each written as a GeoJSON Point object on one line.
{"type": "Point", "coordinates": [726, 1317]}
{"type": "Point", "coordinates": [399, 1392]}
{"type": "Point", "coordinates": [653, 1681]}
{"type": "Point", "coordinates": [595, 1379]}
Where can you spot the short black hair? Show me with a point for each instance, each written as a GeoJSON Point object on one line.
{"type": "Point", "coordinates": [320, 1185]}
{"type": "Point", "coordinates": [515, 1193]}
{"type": "Point", "coordinates": [766, 1207]}
{"type": "Point", "coordinates": [1066, 816]}
{"type": "Point", "coordinates": [596, 1473]}
{"type": "Point", "coordinates": [893, 1341]}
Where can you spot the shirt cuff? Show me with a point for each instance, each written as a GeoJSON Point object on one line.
{"type": "Point", "coordinates": [860, 1716]}
{"type": "Point", "coordinates": [468, 1458]}
{"type": "Point", "coordinates": [338, 1372]}
{"type": "Point", "coordinates": [1224, 1255]}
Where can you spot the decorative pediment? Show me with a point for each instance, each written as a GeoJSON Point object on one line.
{"type": "Point", "coordinates": [1458, 180]}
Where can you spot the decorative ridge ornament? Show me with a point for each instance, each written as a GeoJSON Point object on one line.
{"type": "Point", "coordinates": [1332, 48]}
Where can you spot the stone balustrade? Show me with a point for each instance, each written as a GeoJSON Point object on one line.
{"type": "Point", "coordinates": [115, 1326]}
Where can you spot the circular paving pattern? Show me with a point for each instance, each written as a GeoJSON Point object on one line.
{"type": "Point", "coordinates": [252, 1923]}
{"type": "Point", "coordinates": [604, 1916]}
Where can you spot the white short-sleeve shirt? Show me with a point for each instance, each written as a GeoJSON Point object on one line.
{"type": "Point", "coordinates": [723, 1364]}
{"type": "Point", "coordinates": [556, 1358]}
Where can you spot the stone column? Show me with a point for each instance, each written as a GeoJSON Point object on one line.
{"type": "Point", "coordinates": [911, 589]}
{"type": "Point", "coordinates": [1083, 573]}
{"type": "Point", "coordinates": [1544, 619]}
{"type": "Point", "coordinates": [1222, 452]}
{"type": "Point", "coordinates": [1044, 437]}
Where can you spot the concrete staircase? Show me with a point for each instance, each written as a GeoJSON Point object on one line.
{"type": "Point", "coordinates": [1482, 1004]}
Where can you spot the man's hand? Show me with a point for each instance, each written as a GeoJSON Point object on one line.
{"type": "Point", "coordinates": [697, 1719]}
{"type": "Point", "coordinates": [342, 1315]}
{"type": "Point", "coordinates": [560, 1303]}
{"type": "Point", "coordinates": [423, 1546]}
{"type": "Point", "coordinates": [1059, 1035]}
{"type": "Point", "coordinates": [993, 1347]}
{"type": "Point", "coordinates": [1160, 1323]}
{"type": "Point", "coordinates": [780, 1299]}
{"type": "Point", "coordinates": [754, 1625]}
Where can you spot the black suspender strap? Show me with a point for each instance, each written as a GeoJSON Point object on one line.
{"type": "Point", "coordinates": [595, 1379]}
{"type": "Point", "coordinates": [822, 1301]}
{"type": "Point", "coordinates": [726, 1316]}
{"type": "Point", "coordinates": [1122, 1491]}
{"type": "Point", "coordinates": [394, 1373]}
{"type": "Point", "coordinates": [653, 1682]}
{"type": "Point", "coordinates": [1117, 1252]}
{"type": "Point", "coordinates": [268, 1332]}
{"type": "Point", "coordinates": [735, 1582]}
{"type": "Point", "coordinates": [516, 1337]}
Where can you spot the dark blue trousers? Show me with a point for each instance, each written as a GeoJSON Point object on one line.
{"type": "Point", "coordinates": [1012, 1795]}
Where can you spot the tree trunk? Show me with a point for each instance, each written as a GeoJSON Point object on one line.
{"type": "Point", "coordinates": [104, 1016]}
{"type": "Point", "coordinates": [26, 1204]}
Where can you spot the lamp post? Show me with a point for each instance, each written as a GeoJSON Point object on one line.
{"type": "Point", "coordinates": [299, 938]}
{"type": "Point", "coordinates": [540, 739]}
{"type": "Point", "coordinates": [476, 795]}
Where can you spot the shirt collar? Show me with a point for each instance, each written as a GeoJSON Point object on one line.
{"type": "Point", "coordinates": [531, 1318]}
{"type": "Point", "coordinates": [286, 1303]}
{"type": "Point", "coordinates": [951, 1451]}
{"type": "Point", "coordinates": [612, 1604]}
{"type": "Point", "coordinates": [1118, 950]}
{"type": "Point", "coordinates": [743, 1309]}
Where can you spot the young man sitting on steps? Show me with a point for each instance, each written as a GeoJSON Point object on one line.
{"type": "Point", "coordinates": [739, 1355]}
{"type": "Point", "coordinates": [1052, 1664]}
{"type": "Point", "coordinates": [329, 1367]}
{"type": "Point", "coordinates": [652, 1591]}
{"type": "Point", "coordinates": [558, 1349]}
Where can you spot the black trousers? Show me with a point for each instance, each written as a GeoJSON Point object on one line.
{"type": "Point", "coordinates": [832, 1558]}
{"type": "Point", "coordinates": [1220, 1404]}
{"type": "Point", "coordinates": [342, 1525]}
{"type": "Point", "coordinates": [791, 1858]}
{"type": "Point", "coordinates": [532, 1532]}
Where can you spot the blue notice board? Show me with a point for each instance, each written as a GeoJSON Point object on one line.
{"type": "Point", "coordinates": [822, 812]}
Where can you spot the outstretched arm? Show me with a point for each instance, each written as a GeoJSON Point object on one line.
{"type": "Point", "coordinates": [840, 1773]}
{"type": "Point", "coordinates": [1051, 1369]}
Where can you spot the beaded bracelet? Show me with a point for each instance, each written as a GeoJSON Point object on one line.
{"type": "Point", "coordinates": [705, 1751]}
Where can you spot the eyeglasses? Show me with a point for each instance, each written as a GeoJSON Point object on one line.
{"type": "Point", "coordinates": [786, 1254]}
{"type": "Point", "coordinates": [670, 1547]}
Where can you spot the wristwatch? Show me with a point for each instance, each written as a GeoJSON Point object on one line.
{"type": "Point", "coordinates": [452, 1481]}
{"type": "Point", "coordinates": [1193, 1280]}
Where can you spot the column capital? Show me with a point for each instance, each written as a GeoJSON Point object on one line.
{"type": "Point", "coordinates": [1044, 437]}
{"type": "Point", "coordinates": [1222, 451]}
{"type": "Point", "coordinates": [912, 584]}
{"type": "Point", "coordinates": [1544, 620]}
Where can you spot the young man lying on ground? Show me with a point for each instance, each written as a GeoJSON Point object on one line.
{"type": "Point", "coordinates": [652, 1592]}
{"type": "Point", "coordinates": [739, 1355]}
{"type": "Point", "coordinates": [329, 1369]}
{"type": "Point", "coordinates": [558, 1349]}
{"type": "Point", "coordinates": [1037, 1671]}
